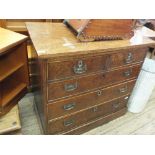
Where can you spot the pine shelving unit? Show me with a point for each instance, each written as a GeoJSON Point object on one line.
{"type": "Point", "coordinates": [14, 78]}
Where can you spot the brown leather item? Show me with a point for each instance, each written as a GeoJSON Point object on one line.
{"type": "Point", "coordinates": [80, 85]}
{"type": "Point", "coordinates": [101, 29]}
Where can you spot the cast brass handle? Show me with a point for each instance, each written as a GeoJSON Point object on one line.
{"type": "Point", "coordinates": [80, 67]}
{"type": "Point", "coordinates": [95, 109]}
{"type": "Point", "coordinates": [116, 105]}
{"type": "Point", "coordinates": [129, 58]}
{"type": "Point", "coordinates": [127, 73]}
{"type": "Point", "coordinates": [69, 106]}
{"type": "Point", "coordinates": [70, 87]}
{"type": "Point", "coordinates": [123, 90]}
{"type": "Point", "coordinates": [68, 122]}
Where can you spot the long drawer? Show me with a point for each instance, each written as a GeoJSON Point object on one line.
{"type": "Point", "coordinates": [74, 120]}
{"type": "Point", "coordinates": [76, 66]}
{"type": "Point", "coordinates": [82, 84]}
{"type": "Point", "coordinates": [95, 123]}
{"type": "Point", "coordinates": [73, 104]}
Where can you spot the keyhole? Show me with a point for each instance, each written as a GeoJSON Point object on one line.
{"type": "Point", "coordinates": [95, 109]}
{"type": "Point", "coordinates": [80, 63]}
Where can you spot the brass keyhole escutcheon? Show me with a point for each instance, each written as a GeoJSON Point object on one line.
{"type": "Point", "coordinates": [99, 93]}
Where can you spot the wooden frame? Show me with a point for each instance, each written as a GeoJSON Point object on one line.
{"type": "Point", "coordinates": [14, 78]}
{"type": "Point", "coordinates": [3, 23]}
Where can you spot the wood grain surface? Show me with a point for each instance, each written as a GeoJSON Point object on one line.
{"type": "Point", "coordinates": [69, 69]}
{"type": "Point", "coordinates": [9, 39]}
{"type": "Point", "coordinates": [54, 39]}
{"type": "Point", "coordinates": [10, 122]}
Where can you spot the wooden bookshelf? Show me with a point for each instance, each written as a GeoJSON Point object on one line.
{"type": "Point", "coordinates": [18, 25]}
{"type": "Point", "coordinates": [14, 78]}
{"type": "Point", "coordinates": [3, 23]}
{"type": "Point", "coordinates": [12, 93]}
{"type": "Point", "coordinates": [5, 73]}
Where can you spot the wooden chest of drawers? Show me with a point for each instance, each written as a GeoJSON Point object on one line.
{"type": "Point", "coordinates": [82, 85]}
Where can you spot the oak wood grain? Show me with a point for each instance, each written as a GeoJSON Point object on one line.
{"type": "Point", "coordinates": [64, 69]}
{"type": "Point", "coordinates": [58, 52]}
{"type": "Point", "coordinates": [14, 69]}
{"type": "Point", "coordinates": [55, 40]}
{"type": "Point", "coordinates": [76, 103]}
{"type": "Point", "coordinates": [83, 84]}
{"type": "Point", "coordinates": [9, 39]}
{"type": "Point", "coordinates": [74, 120]}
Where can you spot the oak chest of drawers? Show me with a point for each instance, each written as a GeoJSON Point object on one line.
{"type": "Point", "coordinates": [82, 85]}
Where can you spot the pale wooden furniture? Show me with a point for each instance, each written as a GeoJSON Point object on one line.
{"type": "Point", "coordinates": [10, 122]}
{"type": "Point", "coordinates": [14, 78]}
{"type": "Point", "coordinates": [18, 25]}
{"type": "Point", "coordinates": [3, 23]}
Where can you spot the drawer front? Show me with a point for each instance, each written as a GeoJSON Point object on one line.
{"type": "Point", "coordinates": [65, 69]}
{"type": "Point", "coordinates": [69, 68]}
{"type": "Point", "coordinates": [127, 57]}
{"type": "Point", "coordinates": [73, 121]}
{"type": "Point", "coordinates": [73, 104]}
{"type": "Point", "coordinates": [82, 84]}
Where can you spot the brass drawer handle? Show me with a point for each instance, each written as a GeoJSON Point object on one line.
{"type": "Point", "coordinates": [123, 90]}
{"type": "Point", "coordinates": [68, 122]}
{"type": "Point", "coordinates": [70, 87]}
{"type": "Point", "coordinates": [95, 109]}
{"type": "Point", "coordinates": [99, 93]}
{"type": "Point", "coordinates": [127, 73]}
{"type": "Point", "coordinates": [80, 67]}
{"type": "Point", "coordinates": [69, 106]}
{"type": "Point", "coordinates": [129, 58]}
{"type": "Point", "coordinates": [115, 105]}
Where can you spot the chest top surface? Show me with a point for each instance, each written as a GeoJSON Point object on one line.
{"type": "Point", "coordinates": [9, 39]}
{"type": "Point", "coordinates": [55, 39]}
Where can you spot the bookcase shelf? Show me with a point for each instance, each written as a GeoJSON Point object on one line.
{"type": "Point", "coordinates": [14, 78]}
{"type": "Point", "coordinates": [12, 94]}
{"type": "Point", "coordinates": [9, 71]}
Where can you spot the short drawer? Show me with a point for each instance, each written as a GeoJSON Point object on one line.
{"type": "Point", "coordinates": [75, 120]}
{"type": "Point", "coordinates": [78, 85]}
{"type": "Point", "coordinates": [127, 57]}
{"type": "Point", "coordinates": [77, 66]}
{"type": "Point", "coordinates": [73, 104]}
{"type": "Point", "coordinates": [69, 68]}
